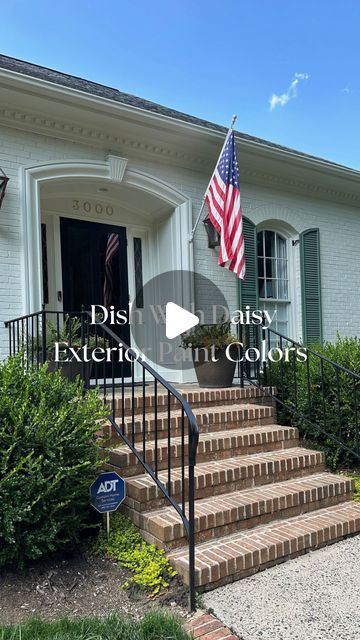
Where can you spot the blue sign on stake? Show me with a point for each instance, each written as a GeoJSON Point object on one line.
{"type": "Point", "coordinates": [107, 492]}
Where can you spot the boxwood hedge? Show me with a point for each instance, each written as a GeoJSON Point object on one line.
{"type": "Point", "coordinates": [49, 457]}
{"type": "Point", "coordinates": [327, 397]}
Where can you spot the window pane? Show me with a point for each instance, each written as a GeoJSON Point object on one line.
{"type": "Point", "coordinates": [271, 289]}
{"type": "Point", "coordinates": [281, 247]}
{"type": "Point", "coordinates": [261, 267]}
{"type": "Point", "coordinates": [270, 244]}
{"type": "Point", "coordinates": [282, 328]}
{"type": "Point", "coordinates": [281, 315]}
{"type": "Point", "coordinates": [139, 293]}
{"type": "Point", "coordinates": [270, 268]}
{"type": "Point", "coordinates": [283, 289]}
{"type": "Point", "coordinates": [260, 243]}
{"type": "Point", "coordinates": [282, 269]}
{"type": "Point", "coordinates": [261, 288]}
{"type": "Point", "coordinates": [271, 308]}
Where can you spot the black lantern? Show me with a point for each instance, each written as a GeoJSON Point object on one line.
{"type": "Point", "coordinates": [3, 184]}
{"type": "Point", "coordinates": [212, 234]}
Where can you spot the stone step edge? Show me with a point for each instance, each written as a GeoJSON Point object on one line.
{"type": "Point", "coordinates": [247, 468]}
{"type": "Point", "coordinates": [249, 459]}
{"type": "Point", "coordinates": [172, 527]}
{"type": "Point", "coordinates": [196, 396]}
{"type": "Point", "coordinates": [226, 410]}
{"type": "Point", "coordinates": [244, 433]}
{"type": "Point", "coordinates": [109, 436]}
{"type": "Point", "coordinates": [239, 555]}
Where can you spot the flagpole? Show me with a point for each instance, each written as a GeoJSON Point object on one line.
{"type": "Point", "coordinates": [192, 234]}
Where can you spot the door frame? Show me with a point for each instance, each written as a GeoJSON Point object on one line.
{"type": "Point", "coordinates": [54, 256]}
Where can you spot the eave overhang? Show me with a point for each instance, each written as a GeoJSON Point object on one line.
{"type": "Point", "coordinates": [33, 104]}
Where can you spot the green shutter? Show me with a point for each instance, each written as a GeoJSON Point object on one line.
{"type": "Point", "coordinates": [248, 288]}
{"type": "Point", "coordinates": [311, 285]}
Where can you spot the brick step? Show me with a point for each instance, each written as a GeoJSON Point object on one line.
{"type": "Point", "coordinates": [237, 556]}
{"type": "Point", "coordinates": [229, 513]}
{"type": "Point", "coordinates": [222, 476]}
{"type": "Point", "coordinates": [215, 446]}
{"type": "Point", "coordinates": [194, 396]}
{"type": "Point", "coordinates": [208, 419]}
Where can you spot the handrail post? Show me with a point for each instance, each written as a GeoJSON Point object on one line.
{"type": "Point", "coordinates": [8, 327]}
{"type": "Point", "coordinates": [82, 340]}
{"type": "Point", "coordinates": [263, 337]}
{"type": "Point", "coordinates": [241, 354]}
{"type": "Point", "coordinates": [193, 444]}
{"type": "Point", "coordinates": [192, 536]}
{"type": "Point", "coordinates": [43, 335]}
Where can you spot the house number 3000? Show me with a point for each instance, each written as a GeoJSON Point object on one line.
{"type": "Point", "coordinates": [88, 207]}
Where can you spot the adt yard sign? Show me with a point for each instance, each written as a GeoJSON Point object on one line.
{"type": "Point", "coordinates": [107, 492]}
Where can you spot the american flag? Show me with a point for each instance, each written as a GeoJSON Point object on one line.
{"type": "Point", "coordinates": [112, 247]}
{"type": "Point", "coordinates": [223, 201]}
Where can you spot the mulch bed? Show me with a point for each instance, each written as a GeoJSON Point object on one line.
{"type": "Point", "coordinates": [78, 586]}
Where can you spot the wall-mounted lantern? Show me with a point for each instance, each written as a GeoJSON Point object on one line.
{"type": "Point", "coordinates": [212, 234]}
{"type": "Point", "coordinates": [3, 184]}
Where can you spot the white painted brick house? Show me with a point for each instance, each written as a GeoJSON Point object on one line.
{"type": "Point", "coordinates": [206, 467]}
{"type": "Point", "coordinates": [77, 151]}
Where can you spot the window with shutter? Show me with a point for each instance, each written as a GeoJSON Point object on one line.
{"type": "Point", "coordinates": [311, 285]}
{"type": "Point", "coordinates": [274, 278]}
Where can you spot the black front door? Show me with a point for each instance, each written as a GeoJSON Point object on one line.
{"type": "Point", "coordinates": [83, 248]}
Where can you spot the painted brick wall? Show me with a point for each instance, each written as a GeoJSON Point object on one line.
{"type": "Point", "coordinates": [17, 150]}
{"type": "Point", "coordinates": [340, 256]}
{"type": "Point", "coordinates": [339, 231]}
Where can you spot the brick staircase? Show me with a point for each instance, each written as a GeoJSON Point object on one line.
{"type": "Point", "coordinates": [260, 497]}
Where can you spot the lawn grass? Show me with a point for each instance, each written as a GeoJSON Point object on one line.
{"type": "Point", "coordinates": [154, 626]}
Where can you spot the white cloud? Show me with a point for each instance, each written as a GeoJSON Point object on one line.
{"type": "Point", "coordinates": [345, 90]}
{"type": "Point", "coordinates": [291, 92]}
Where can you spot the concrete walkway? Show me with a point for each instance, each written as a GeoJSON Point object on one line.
{"type": "Point", "coordinates": [314, 597]}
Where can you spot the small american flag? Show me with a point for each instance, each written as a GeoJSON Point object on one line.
{"type": "Point", "coordinates": [223, 201]}
{"type": "Point", "coordinates": [112, 247]}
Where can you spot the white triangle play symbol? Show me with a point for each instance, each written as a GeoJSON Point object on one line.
{"type": "Point", "coordinates": [178, 320]}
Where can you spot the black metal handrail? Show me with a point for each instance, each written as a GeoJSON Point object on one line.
{"type": "Point", "coordinates": [35, 334]}
{"type": "Point", "coordinates": [281, 381]}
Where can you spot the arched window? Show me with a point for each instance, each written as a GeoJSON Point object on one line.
{"type": "Point", "coordinates": [273, 278]}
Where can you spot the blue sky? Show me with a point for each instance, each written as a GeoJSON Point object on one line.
{"type": "Point", "coordinates": [212, 60]}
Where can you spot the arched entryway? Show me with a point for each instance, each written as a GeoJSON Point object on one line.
{"type": "Point", "coordinates": [153, 217]}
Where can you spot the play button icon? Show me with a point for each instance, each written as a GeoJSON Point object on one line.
{"type": "Point", "coordinates": [162, 313]}
{"type": "Point", "coordinates": [178, 320]}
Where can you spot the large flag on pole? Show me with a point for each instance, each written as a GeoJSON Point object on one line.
{"type": "Point", "coordinates": [112, 247]}
{"type": "Point", "coordinates": [223, 202]}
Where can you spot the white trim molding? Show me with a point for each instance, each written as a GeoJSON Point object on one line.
{"type": "Point", "coordinates": [117, 167]}
{"type": "Point", "coordinates": [114, 168]}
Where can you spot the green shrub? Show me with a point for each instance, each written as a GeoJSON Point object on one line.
{"type": "Point", "coordinates": [356, 495]}
{"type": "Point", "coordinates": [149, 566]}
{"type": "Point", "coordinates": [49, 457]}
{"type": "Point", "coordinates": [208, 335]}
{"type": "Point", "coordinates": [327, 397]}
